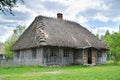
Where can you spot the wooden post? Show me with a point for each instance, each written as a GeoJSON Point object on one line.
{"type": "Point", "coordinates": [93, 57]}
{"type": "Point", "coordinates": [85, 57]}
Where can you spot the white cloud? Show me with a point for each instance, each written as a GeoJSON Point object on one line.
{"type": "Point", "coordinates": [104, 7]}
{"type": "Point", "coordinates": [81, 11]}
{"type": "Point", "coordinates": [76, 6]}
{"type": "Point", "coordinates": [100, 17]}
{"type": "Point", "coordinates": [24, 9]}
{"type": "Point", "coordinates": [82, 19]}
{"type": "Point", "coordinates": [102, 30]}
{"type": "Point", "coordinates": [116, 19]}
{"type": "Point", "coordinates": [5, 32]}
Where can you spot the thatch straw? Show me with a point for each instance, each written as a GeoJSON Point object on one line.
{"type": "Point", "coordinates": [46, 31]}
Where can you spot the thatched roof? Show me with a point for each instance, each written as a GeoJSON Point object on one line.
{"type": "Point", "coordinates": [46, 31]}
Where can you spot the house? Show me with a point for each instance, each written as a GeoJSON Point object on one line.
{"type": "Point", "coordinates": [51, 41]}
{"type": "Point", "coordinates": [2, 56]}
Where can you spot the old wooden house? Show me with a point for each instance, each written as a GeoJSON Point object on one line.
{"type": "Point", "coordinates": [54, 41]}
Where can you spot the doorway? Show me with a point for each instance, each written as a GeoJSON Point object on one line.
{"type": "Point", "coordinates": [89, 53]}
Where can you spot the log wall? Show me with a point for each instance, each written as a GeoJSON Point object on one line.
{"type": "Point", "coordinates": [25, 57]}
{"type": "Point", "coordinates": [59, 58]}
{"type": "Point", "coordinates": [44, 57]}
{"type": "Point", "coordinates": [78, 56]}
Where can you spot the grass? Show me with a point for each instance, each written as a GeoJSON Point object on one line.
{"type": "Point", "coordinates": [100, 72]}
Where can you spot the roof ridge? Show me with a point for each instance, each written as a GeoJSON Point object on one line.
{"type": "Point", "coordinates": [41, 16]}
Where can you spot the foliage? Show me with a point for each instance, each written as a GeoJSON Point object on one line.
{"type": "Point", "coordinates": [97, 35]}
{"type": "Point", "coordinates": [101, 37]}
{"type": "Point", "coordinates": [107, 52]}
{"type": "Point", "coordinates": [113, 40]}
{"type": "Point", "coordinates": [7, 5]}
{"type": "Point", "coordinates": [11, 40]}
{"type": "Point", "coordinates": [101, 72]}
{"type": "Point", "coordinates": [107, 33]}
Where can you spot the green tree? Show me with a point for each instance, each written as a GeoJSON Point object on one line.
{"type": "Point", "coordinates": [107, 33]}
{"type": "Point", "coordinates": [11, 40]}
{"type": "Point", "coordinates": [108, 52]}
{"type": "Point", "coordinates": [7, 5]}
{"type": "Point", "coordinates": [97, 35]}
{"type": "Point", "coordinates": [113, 40]}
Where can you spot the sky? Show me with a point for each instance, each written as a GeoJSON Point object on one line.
{"type": "Point", "coordinates": [95, 15]}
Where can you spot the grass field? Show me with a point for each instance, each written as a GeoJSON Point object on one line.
{"type": "Point", "coordinates": [100, 72]}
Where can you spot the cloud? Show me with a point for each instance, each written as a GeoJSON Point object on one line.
{"type": "Point", "coordinates": [101, 12]}
{"type": "Point", "coordinates": [116, 19]}
{"type": "Point", "coordinates": [56, 7]}
{"type": "Point", "coordinates": [5, 32]}
{"type": "Point", "coordinates": [107, 10]}
{"type": "Point", "coordinates": [23, 15]}
{"type": "Point", "coordinates": [82, 19]}
{"type": "Point", "coordinates": [100, 17]}
{"type": "Point", "coordinates": [102, 30]}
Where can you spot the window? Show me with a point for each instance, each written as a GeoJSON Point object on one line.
{"type": "Point", "coordinates": [53, 51]}
{"type": "Point", "coordinates": [18, 54]}
{"type": "Point", "coordinates": [66, 52]}
{"type": "Point", "coordinates": [34, 53]}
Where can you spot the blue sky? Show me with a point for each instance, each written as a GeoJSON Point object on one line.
{"type": "Point", "coordinates": [96, 15]}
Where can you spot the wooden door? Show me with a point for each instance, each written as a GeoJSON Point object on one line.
{"type": "Point", "coordinates": [75, 58]}
{"type": "Point", "coordinates": [89, 52]}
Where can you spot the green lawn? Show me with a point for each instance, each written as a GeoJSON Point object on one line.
{"type": "Point", "coordinates": [100, 72]}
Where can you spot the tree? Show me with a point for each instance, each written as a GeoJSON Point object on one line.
{"type": "Point", "coordinates": [11, 40]}
{"type": "Point", "coordinates": [107, 33]}
{"type": "Point", "coordinates": [7, 5]}
{"type": "Point", "coordinates": [97, 35]}
{"type": "Point", "coordinates": [108, 52]}
{"type": "Point", "coordinates": [113, 40]}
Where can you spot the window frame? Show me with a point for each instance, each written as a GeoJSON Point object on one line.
{"type": "Point", "coordinates": [66, 52]}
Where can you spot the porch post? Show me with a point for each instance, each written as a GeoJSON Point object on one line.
{"type": "Point", "coordinates": [93, 57]}
{"type": "Point", "coordinates": [85, 57]}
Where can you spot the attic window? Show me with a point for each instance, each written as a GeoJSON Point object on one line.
{"type": "Point", "coordinates": [66, 52]}
{"type": "Point", "coordinates": [34, 53]}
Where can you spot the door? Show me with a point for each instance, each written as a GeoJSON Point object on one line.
{"type": "Point", "coordinates": [89, 52]}
{"type": "Point", "coordinates": [54, 55]}
{"type": "Point", "coordinates": [75, 57]}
